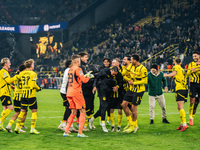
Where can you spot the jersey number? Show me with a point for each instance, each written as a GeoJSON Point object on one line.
{"type": "Point", "coordinates": [25, 80]}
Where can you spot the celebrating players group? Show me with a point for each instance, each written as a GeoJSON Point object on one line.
{"type": "Point", "coordinates": [118, 87]}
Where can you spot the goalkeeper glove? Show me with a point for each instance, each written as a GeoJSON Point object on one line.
{"type": "Point", "coordinates": [89, 75]}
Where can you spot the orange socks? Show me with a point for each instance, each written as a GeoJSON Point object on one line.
{"type": "Point", "coordinates": [69, 122]}
{"type": "Point", "coordinates": [81, 122]}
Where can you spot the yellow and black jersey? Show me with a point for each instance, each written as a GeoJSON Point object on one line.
{"type": "Point", "coordinates": [126, 76]}
{"type": "Point", "coordinates": [139, 77]}
{"type": "Point", "coordinates": [194, 76]}
{"type": "Point", "coordinates": [180, 78]}
{"type": "Point", "coordinates": [5, 83]}
{"type": "Point", "coordinates": [28, 79]}
{"type": "Point", "coordinates": [18, 88]}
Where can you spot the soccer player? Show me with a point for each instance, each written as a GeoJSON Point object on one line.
{"type": "Point", "coordinates": [181, 89]}
{"type": "Point", "coordinates": [193, 72]}
{"type": "Point", "coordinates": [135, 93]}
{"type": "Point", "coordinates": [106, 87]}
{"type": "Point", "coordinates": [87, 90]}
{"type": "Point", "coordinates": [155, 80]}
{"type": "Point", "coordinates": [116, 97]}
{"type": "Point", "coordinates": [5, 91]}
{"type": "Point", "coordinates": [17, 100]}
{"type": "Point", "coordinates": [28, 78]}
{"type": "Point", "coordinates": [75, 95]}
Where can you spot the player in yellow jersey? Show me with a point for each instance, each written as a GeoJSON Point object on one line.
{"type": "Point", "coordinates": [17, 100]}
{"type": "Point", "coordinates": [135, 92]}
{"type": "Point", "coordinates": [181, 89]}
{"type": "Point", "coordinates": [29, 86]}
{"type": "Point", "coordinates": [5, 91]}
{"type": "Point", "coordinates": [193, 72]}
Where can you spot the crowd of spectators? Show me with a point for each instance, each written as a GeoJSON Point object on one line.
{"type": "Point", "coordinates": [31, 12]}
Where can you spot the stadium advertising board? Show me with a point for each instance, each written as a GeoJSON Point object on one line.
{"type": "Point", "coordinates": [32, 29]}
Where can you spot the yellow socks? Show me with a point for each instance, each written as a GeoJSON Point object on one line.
{"type": "Point", "coordinates": [11, 122]}
{"type": "Point", "coordinates": [4, 114]}
{"type": "Point", "coordinates": [112, 118]}
{"type": "Point", "coordinates": [19, 119]}
{"type": "Point", "coordinates": [119, 120]}
{"type": "Point", "coordinates": [33, 120]}
{"type": "Point", "coordinates": [182, 116]}
{"type": "Point", "coordinates": [108, 118]}
{"type": "Point", "coordinates": [86, 121]}
{"type": "Point", "coordinates": [191, 106]}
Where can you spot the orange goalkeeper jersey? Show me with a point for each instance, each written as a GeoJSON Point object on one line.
{"type": "Point", "coordinates": [75, 79]}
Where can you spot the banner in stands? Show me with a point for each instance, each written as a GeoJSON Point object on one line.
{"type": "Point", "coordinates": [32, 29]}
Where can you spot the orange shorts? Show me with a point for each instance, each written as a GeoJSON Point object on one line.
{"type": "Point", "coordinates": [76, 102]}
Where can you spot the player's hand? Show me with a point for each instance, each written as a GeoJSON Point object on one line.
{"type": "Point", "coordinates": [165, 75]}
{"type": "Point", "coordinates": [193, 69]}
{"type": "Point", "coordinates": [166, 89]}
{"type": "Point", "coordinates": [89, 75]}
{"type": "Point", "coordinates": [13, 87]}
{"type": "Point", "coordinates": [94, 90]}
{"type": "Point", "coordinates": [130, 82]}
{"type": "Point", "coordinates": [115, 89]}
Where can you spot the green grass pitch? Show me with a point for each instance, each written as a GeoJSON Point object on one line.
{"type": "Point", "coordinates": [156, 136]}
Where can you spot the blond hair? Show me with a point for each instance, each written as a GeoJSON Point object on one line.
{"type": "Point", "coordinates": [4, 60]}
{"type": "Point", "coordinates": [28, 63]}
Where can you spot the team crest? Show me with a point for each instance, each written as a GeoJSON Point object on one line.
{"type": "Point", "coordinates": [5, 75]}
{"type": "Point", "coordinates": [104, 98]}
{"type": "Point", "coordinates": [9, 102]}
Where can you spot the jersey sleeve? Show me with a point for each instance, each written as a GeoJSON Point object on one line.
{"type": "Point", "coordinates": [144, 79]}
{"type": "Point", "coordinates": [7, 77]}
{"type": "Point", "coordinates": [189, 71]}
{"type": "Point", "coordinates": [34, 80]}
{"type": "Point", "coordinates": [79, 73]}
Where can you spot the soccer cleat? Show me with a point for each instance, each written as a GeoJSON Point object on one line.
{"type": "Point", "coordinates": [128, 125]}
{"type": "Point", "coordinates": [165, 121]}
{"type": "Point", "coordinates": [23, 127]}
{"type": "Point", "coordinates": [184, 128]}
{"type": "Point", "coordinates": [112, 128]}
{"type": "Point", "coordinates": [8, 128]}
{"type": "Point", "coordinates": [85, 129]}
{"type": "Point", "coordinates": [90, 123]}
{"type": "Point", "coordinates": [93, 127]}
{"type": "Point", "coordinates": [17, 130]}
{"type": "Point", "coordinates": [81, 135]}
{"type": "Point", "coordinates": [179, 128]}
{"type": "Point", "coordinates": [151, 121]}
{"type": "Point", "coordinates": [2, 128]}
{"type": "Point", "coordinates": [104, 128]}
{"type": "Point", "coordinates": [109, 123]}
{"type": "Point", "coordinates": [191, 122]}
{"type": "Point", "coordinates": [72, 129]}
{"type": "Point", "coordinates": [21, 131]}
{"type": "Point", "coordinates": [34, 131]}
{"type": "Point", "coordinates": [135, 129]}
{"type": "Point", "coordinates": [67, 135]}
{"type": "Point", "coordinates": [118, 129]}
{"type": "Point", "coordinates": [129, 130]}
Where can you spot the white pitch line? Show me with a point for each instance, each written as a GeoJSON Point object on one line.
{"type": "Point", "coordinates": [172, 113]}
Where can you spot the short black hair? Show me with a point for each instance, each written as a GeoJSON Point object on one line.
{"type": "Point", "coordinates": [82, 54]}
{"type": "Point", "coordinates": [22, 67]}
{"type": "Point", "coordinates": [128, 57]}
{"type": "Point", "coordinates": [108, 59]}
{"type": "Point", "coordinates": [195, 52]}
{"type": "Point", "coordinates": [178, 60]}
{"type": "Point", "coordinates": [136, 57]}
{"type": "Point", "coordinates": [115, 69]}
{"type": "Point", "coordinates": [68, 62]}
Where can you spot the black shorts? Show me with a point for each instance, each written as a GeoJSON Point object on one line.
{"type": "Point", "coordinates": [89, 101]}
{"type": "Point", "coordinates": [6, 100]}
{"type": "Point", "coordinates": [65, 101]}
{"type": "Point", "coordinates": [115, 103]}
{"type": "Point", "coordinates": [17, 105]}
{"type": "Point", "coordinates": [181, 95]}
{"type": "Point", "coordinates": [133, 97]}
{"type": "Point", "coordinates": [31, 102]}
{"type": "Point", "coordinates": [194, 90]}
